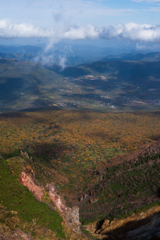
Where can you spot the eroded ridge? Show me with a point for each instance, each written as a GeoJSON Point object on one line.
{"type": "Point", "coordinates": [71, 215]}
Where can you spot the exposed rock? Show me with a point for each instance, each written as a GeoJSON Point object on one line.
{"type": "Point", "coordinates": [91, 227]}
{"type": "Point", "coordinates": [7, 234]}
{"type": "Point", "coordinates": [81, 198]}
{"type": "Point", "coordinates": [48, 194]}
{"type": "Point", "coordinates": [70, 215]}
{"type": "Point", "coordinates": [24, 154]}
{"type": "Point", "coordinates": [56, 199]}
{"type": "Point", "coordinates": [105, 224]}
{"type": "Point", "coordinates": [139, 226]}
{"type": "Point", "coordinates": [72, 235]}
{"type": "Point", "coordinates": [20, 233]}
{"type": "Point", "coordinates": [93, 200]}
{"type": "Point", "coordinates": [29, 183]}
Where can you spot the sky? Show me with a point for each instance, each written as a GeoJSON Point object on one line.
{"type": "Point", "coordinates": [135, 21]}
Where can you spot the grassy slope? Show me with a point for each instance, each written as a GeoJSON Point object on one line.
{"type": "Point", "coordinates": [131, 186]}
{"type": "Point", "coordinates": [16, 197]}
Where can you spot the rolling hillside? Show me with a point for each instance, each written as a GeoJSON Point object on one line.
{"type": "Point", "coordinates": [110, 85]}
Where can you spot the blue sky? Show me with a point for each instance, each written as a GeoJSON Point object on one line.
{"type": "Point", "coordinates": [129, 20]}
{"type": "Point", "coordinates": [99, 13]}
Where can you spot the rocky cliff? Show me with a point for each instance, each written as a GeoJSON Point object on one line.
{"type": "Point", "coordinates": [12, 227]}
{"type": "Point", "coordinates": [145, 225]}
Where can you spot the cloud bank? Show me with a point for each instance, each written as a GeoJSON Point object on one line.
{"type": "Point", "coordinates": [129, 31]}
{"type": "Point", "coordinates": [9, 29]}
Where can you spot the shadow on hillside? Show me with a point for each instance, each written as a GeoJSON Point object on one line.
{"type": "Point", "coordinates": [155, 137]}
{"type": "Point", "coordinates": [13, 115]}
{"type": "Point", "coordinates": [147, 228]}
{"type": "Point", "coordinates": [22, 113]}
{"type": "Point", "coordinates": [46, 151]}
{"type": "Point", "coordinates": [9, 88]}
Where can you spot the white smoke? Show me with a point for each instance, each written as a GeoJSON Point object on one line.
{"type": "Point", "coordinates": [62, 62]}
{"type": "Point", "coordinates": [45, 59]}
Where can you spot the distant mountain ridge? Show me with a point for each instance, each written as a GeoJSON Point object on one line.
{"type": "Point", "coordinates": [111, 84]}
{"type": "Point", "coordinates": [73, 54]}
{"type": "Point", "coordinates": [153, 56]}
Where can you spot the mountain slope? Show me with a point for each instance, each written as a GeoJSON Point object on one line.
{"type": "Point", "coordinates": [153, 56]}
{"type": "Point", "coordinates": [110, 85]}
{"type": "Point", "coordinates": [20, 209]}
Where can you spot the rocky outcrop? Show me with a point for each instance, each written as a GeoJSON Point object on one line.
{"type": "Point", "coordinates": [145, 225]}
{"type": "Point", "coordinates": [55, 198]}
{"type": "Point", "coordinates": [29, 183]}
{"type": "Point", "coordinates": [70, 215]}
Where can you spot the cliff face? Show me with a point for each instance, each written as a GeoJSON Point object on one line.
{"type": "Point", "coordinates": [145, 225]}
{"type": "Point", "coordinates": [49, 195]}
{"type": "Point", "coordinates": [29, 183]}
{"type": "Point", "coordinates": [22, 216]}
{"type": "Point", "coordinates": [70, 215]}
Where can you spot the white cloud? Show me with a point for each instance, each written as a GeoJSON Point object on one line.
{"type": "Point", "coordinates": [132, 32]}
{"type": "Point", "coordinates": [129, 31]}
{"type": "Point", "coordinates": [82, 32]}
{"type": "Point", "coordinates": [9, 29]}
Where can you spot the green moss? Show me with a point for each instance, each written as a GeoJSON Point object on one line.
{"type": "Point", "coordinates": [135, 173]}
{"type": "Point", "coordinates": [116, 186]}
{"type": "Point", "coordinates": [16, 165]}
{"type": "Point", "coordinates": [14, 153]}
